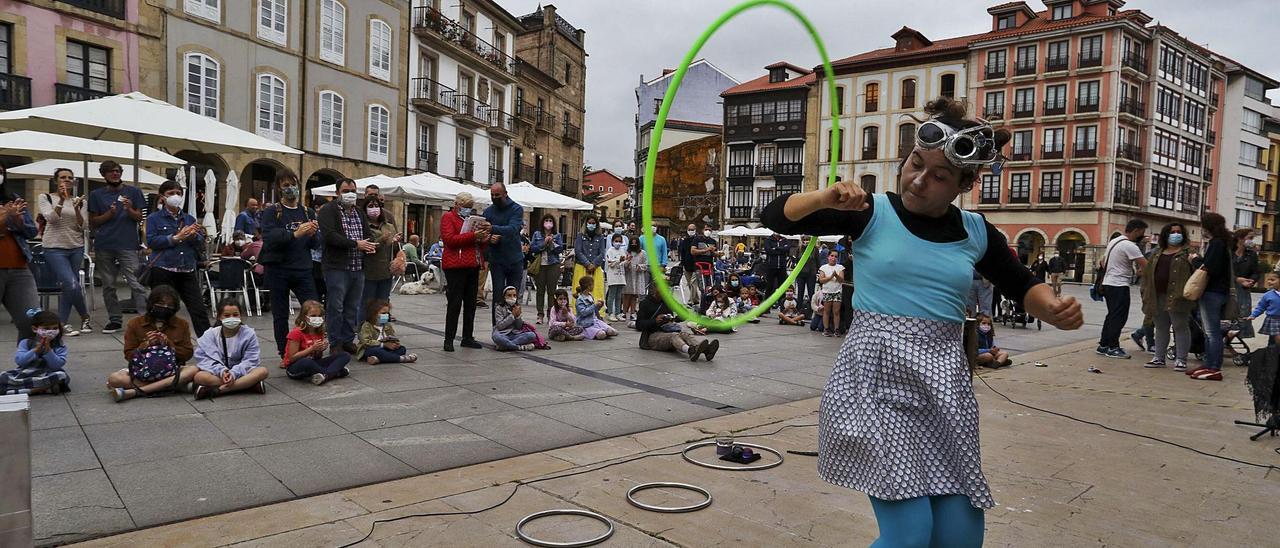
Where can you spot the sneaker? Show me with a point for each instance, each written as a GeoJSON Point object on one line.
{"type": "Point", "coordinates": [1151, 349]}
{"type": "Point", "coordinates": [1155, 363]}
{"type": "Point", "coordinates": [1180, 365]}
{"type": "Point", "coordinates": [1208, 375]}
{"type": "Point", "coordinates": [345, 372]}
{"type": "Point", "coordinates": [86, 326]}
{"type": "Point", "coordinates": [318, 379]}
{"type": "Point", "coordinates": [827, 333]}
{"type": "Point", "coordinates": [1101, 350]}
{"type": "Point", "coordinates": [695, 351]}
{"type": "Point", "coordinates": [260, 388]}
{"type": "Point", "coordinates": [482, 304]}
{"type": "Point", "coordinates": [710, 353]}
{"type": "Point", "coordinates": [1118, 353]}
{"type": "Point", "coordinates": [118, 394]}
{"type": "Point", "coordinates": [203, 392]}
{"type": "Point", "coordinates": [525, 347]}
{"type": "Point", "coordinates": [70, 331]}
{"type": "Point", "coordinates": [111, 327]}
{"type": "Point", "coordinates": [448, 346]}
{"type": "Point", "coordinates": [1137, 339]}
{"type": "Point", "coordinates": [471, 343]}
{"type": "Point", "coordinates": [539, 319]}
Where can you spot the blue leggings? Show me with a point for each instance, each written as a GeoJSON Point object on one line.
{"type": "Point", "coordinates": [946, 520]}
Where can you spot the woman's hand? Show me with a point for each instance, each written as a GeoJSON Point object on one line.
{"type": "Point", "coordinates": [845, 196]}
{"type": "Point", "coordinates": [1062, 313]}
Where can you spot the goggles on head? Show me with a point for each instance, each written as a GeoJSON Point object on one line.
{"type": "Point", "coordinates": [969, 147]}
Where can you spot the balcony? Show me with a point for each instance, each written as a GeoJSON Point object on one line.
{"type": "Point", "coordinates": [1213, 99]}
{"type": "Point", "coordinates": [544, 178]}
{"type": "Point", "coordinates": [1051, 195]}
{"type": "Point", "coordinates": [427, 160]}
{"type": "Point", "coordinates": [1085, 150]}
{"type": "Point", "coordinates": [1208, 174]}
{"type": "Point", "coordinates": [1133, 107]}
{"type": "Point", "coordinates": [568, 185]}
{"type": "Point", "coordinates": [1090, 59]}
{"type": "Point", "coordinates": [542, 120]}
{"type": "Point", "coordinates": [63, 93]}
{"type": "Point", "coordinates": [742, 171]}
{"type": "Point", "coordinates": [1080, 195]}
{"type": "Point", "coordinates": [501, 123]}
{"type": "Point", "coordinates": [1024, 111]}
{"type": "Point", "coordinates": [15, 92]}
{"type": "Point", "coordinates": [789, 169]}
{"type": "Point", "coordinates": [1126, 196]}
{"type": "Point", "coordinates": [995, 73]}
{"type": "Point", "coordinates": [740, 212]}
{"type": "Point", "coordinates": [111, 8]}
{"type": "Point", "coordinates": [1020, 156]}
{"type": "Point", "coordinates": [496, 175]}
{"type": "Point", "coordinates": [1055, 108]}
{"type": "Point", "coordinates": [1087, 105]}
{"type": "Point", "coordinates": [1272, 207]}
{"type": "Point", "coordinates": [1134, 61]}
{"type": "Point", "coordinates": [471, 112]}
{"type": "Point", "coordinates": [526, 113]}
{"type": "Point", "coordinates": [765, 169]}
{"type": "Point", "coordinates": [463, 170]}
{"type": "Point", "coordinates": [1055, 64]}
{"type": "Point", "coordinates": [1050, 153]}
{"type": "Point", "coordinates": [870, 153]}
{"type": "Point", "coordinates": [572, 134]}
{"type": "Point", "coordinates": [526, 172]}
{"type": "Point", "coordinates": [1212, 137]}
{"type": "Point", "coordinates": [993, 113]}
{"type": "Point", "coordinates": [1129, 152]}
{"type": "Point", "coordinates": [433, 98]}
{"type": "Point", "coordinates": [1024, 69]}
{"type": "Point", "coordinates": [430, 23]}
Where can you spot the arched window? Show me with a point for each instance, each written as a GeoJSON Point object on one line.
{"type": "Point", "coordinates": [947, 85]}
{"type": "Point", "coordinates": [203, 77]}
{"type": "Point", "coordinates": [872, 97]}
{"type": "Point", "coordinates": [272, 20]}
{"type": "Point", "coordinates": [909, 93]}
{"type": "Point", "coordinates": [379, 49]}
{"type": "Point", "coordinates": [868, 183]}
{"type": "Point", "coordinates": [906, 139]}
{"type": "Point", "coordinates": [333, 31]}
{"type": "Point", "coordinates": [870, 142]}
{"type": "Point", "coordinates": [379, 131]}
{"type": "Point", "coordinates": [332, 109]}
{"type": "Point", "coordinates": [271, 107]}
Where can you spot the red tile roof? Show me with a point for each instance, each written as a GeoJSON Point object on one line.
{"type": "Point", "coordinates": [763, 84]}
{"type": "Point", "coordinates": [1042, 23]}
{"type": "Point", "coordinates": [885, 54]}
{"type": "Point", "coordinates": [786, 65]}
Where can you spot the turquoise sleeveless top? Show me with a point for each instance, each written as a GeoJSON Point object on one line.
{"type": "Point", "coordinates": [898, 274]}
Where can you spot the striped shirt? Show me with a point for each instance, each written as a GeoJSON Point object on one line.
{"type": "Point", "coordinates": [61, 231]}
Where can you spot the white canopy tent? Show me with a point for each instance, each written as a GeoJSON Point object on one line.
{"type": "Point", "coordinates": [44, 169]}
{"type": "Point", "coordinates": [735, 231]}
{"type": "Point", "coordinates": [529, 196]}
{"type": "Point", "coordinates": [64, 147]}
{"type": "Point", "coordinates": [422, 187]}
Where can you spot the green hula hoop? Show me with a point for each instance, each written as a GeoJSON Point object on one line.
{"type": "Point", "coordinates": [650, 164]}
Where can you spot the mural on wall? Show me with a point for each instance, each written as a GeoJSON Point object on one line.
{"type": "Point", "coordinates": [686, 185]}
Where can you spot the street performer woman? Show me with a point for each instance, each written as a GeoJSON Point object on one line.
{"type": "Point", "coordinates": [898, 418]}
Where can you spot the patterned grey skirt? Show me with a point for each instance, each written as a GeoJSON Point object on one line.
{"type": "Point", "coordinates": [898, 418]}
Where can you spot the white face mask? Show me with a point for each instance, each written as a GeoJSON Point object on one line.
{"type": "Point", "coordinates": [511, 301]}
{"type": "Point", "coordinates": [706, 233]}
{"type": "Point", "coordinates": [984, 328]}
{"type": "Point", "coordinates": [348, 198]}
{"type": "Point", "coordinates": [693, 232]}
{"type": "Point", "coordinates": [173, 200]}
{"type": "Point", "coordinates": [231, 323]}
{"type": "Point", "coordinates": [315, 321]}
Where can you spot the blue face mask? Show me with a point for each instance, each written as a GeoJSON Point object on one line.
{"type": "Point", "coordinates": [734, 284]}
{"type": "Point", "coordinates": [383, 319]}
{"type": "Point", "coordinates": [591, 227]}
{"type": "Point", "coordinates": [464, 212]}
{"type": "Point", "coordinates": [1175, 239]}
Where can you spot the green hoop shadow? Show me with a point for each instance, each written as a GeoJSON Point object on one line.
{"type": "Point", "coordinates": [655, 138]}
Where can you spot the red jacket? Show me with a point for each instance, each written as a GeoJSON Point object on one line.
{"type": "Point", "coordinates": [460, 250]}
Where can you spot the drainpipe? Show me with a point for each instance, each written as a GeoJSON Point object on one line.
{"type": "Point", "coordinates": [302, 103]}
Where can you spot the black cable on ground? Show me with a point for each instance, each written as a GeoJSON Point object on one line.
{"type": "Point", "coordinates": [1119, 431]}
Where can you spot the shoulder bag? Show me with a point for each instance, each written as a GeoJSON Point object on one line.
{"type": "Point", "coordinates": [1095, 291]}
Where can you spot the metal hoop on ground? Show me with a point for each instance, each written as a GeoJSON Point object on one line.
{"type": "Point", "coordinates": [566, 512]}
{"type": "Point", "coordinates": [669, 509]}
{"type": "Point", "coordinates": [748, 468]}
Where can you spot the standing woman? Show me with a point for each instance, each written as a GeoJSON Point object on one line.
{"type": "Point", "coordinates": [1217, 294]}
{"type": "Point", "coordinates": [174, 238]}
{"type": "Point", "coordinates": [546, 245]}
{"type": "Point", "coordinates": [898, 418]}
{"type": "Point", "coordinates": [18, 291]}
{"type": "Point", "coordinates": [1245, 260]}
{"type": "Point", "coordinates": [1163, 280]}
{"type": "Point", "coordinates": [377, 265]}
{"type": "Point", "coordinates": [637, 280]}
{"type": "Point", "coordinates": [588, 256]}
{"type": "Point", "coordinates": [461, 263]}
{"type": "Point", "coordinates": [64, 247]}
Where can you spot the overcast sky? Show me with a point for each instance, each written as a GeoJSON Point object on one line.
{"type": "Point", "coordinates": [626, 39]}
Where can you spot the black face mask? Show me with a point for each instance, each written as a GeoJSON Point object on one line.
{"type": "Point", "coordinates": [162, 313]}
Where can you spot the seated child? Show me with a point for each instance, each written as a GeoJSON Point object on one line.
{"type": "Point", "coordinates": [589, 313]}
{"type": "Point", "coordinates": [989, 355]}
{"type": "Point", "coordinates": [305, 346]}
{"type": "Point", "coordinates": [1270, 304]}
{"type": "Point", "coordinates": [790, 313]}
{"type": "Point", "coordinates": [40, 360]}
{"type": "Point", "coordinates": [563, 322]}
{"type": "Point", "coordinates": [511, 332]}
{"type": "Point", "coordinates": [228, 356]}
{"type": "Point", "coordinates": [377, 342]}
{"type": "Point", "coordinates": [816, 303]}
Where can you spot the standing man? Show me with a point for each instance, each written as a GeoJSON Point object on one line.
{"type": "Point", "coordinates": [777, 250]}
{"type": "Point", "coordinates": [371, 193]}
{"type": "Point", "coordinates": [696, 249]}
{"type": "Point", "coordinates": [660, 243]}
{"type": "Point", "coordinates": [1057, 267]}
{"type": "Point", "coordinates": [1119, 259]}
{"type": "Point", "coordinates": [248, 221]}
{"type": "Point", "coordinates": [506, 258]}
{"type": "Point", "coordinates": [114, 217]}
{"type": "Point", "coordinates": [345, 232]}
{"type": "Point", "coordinates": [288, 238]}
{"type": "Point", "coordinates": [808, 272]}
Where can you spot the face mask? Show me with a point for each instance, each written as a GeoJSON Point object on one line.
{"type": "Point", "coordinates": [348, 198]}
{"type": "Point", "coordinates": [511, 301]}
{"type": "Point", "coordinates": [315, 321]}
{"type": "Point", "coordinates": [1251, 242]}
{"type": "Point", "coordinates": [231, 323]}
{"type": "Point", "coordinates": [692, 232]}
{"type": "Point", "coordinates": [464, 212]}
{"type": "Point", "coordinates": [734, 284]}
{"type": "Point", "coordinates": [617, 230]}
{"type": "Point", "coordinates": [162, 312]}
{"type": "Point", "coordinates": [617, 245]}
{"type": "Point", "coordinates": [174, 200]}
{"type": "Point", "coordinates": [240, 243]}
{"type": "Point", "coordinates": [984, 328]}
{"type": "Point", "coordinates": [373, 211]}
{"type": "Point", "coordinates": [591, 227]}
{"type": "Point", "coordinates": [1175, 239]}
{"type": "Point", "coordinates": [706, 233]}
{"type": "Point", "coordinates": [548, 226]}
{"type": "Point", "coordinates": [563, 302]}
{"type": "Point", "coordinates": [47, 333]}
{"type": "Point", "coordinates": [290, 192]}
{"type": "Point", "coordinates": [383, 318]}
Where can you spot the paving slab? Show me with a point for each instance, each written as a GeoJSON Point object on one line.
{"type": "Point", "coordinates": [524, 431]}
{"type": "Point", "coordinates": [668, 410]}
{"type": "Point", "coordinates": [255, 426]}
{"type": "Point", "coordinates": [392, 377]}
{"type": "Point", "coordinates": [593, 416]}
{"type": "Point", "coordinates": [438, 445]}
{"type": "Point", "coordinates": [324, 464]}
{"type": "Point", "coordinates": [76, 505]}
{"type": "Point", "coordinates": [201, 485]}
{"type": "Point", "coordinates": [61, 450]}
{"type": "Point", "coordinates": [522, 393]}
{"type": "Point", "coordinates": [154, 439]}
{"type": "Point", "coordinates": [48, 411]}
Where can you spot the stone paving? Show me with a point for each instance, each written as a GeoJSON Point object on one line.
{"type": "Point", "coordinates": [100, 467]}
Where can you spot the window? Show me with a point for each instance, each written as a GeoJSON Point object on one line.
{"type": "Point", "coordinates": [379, 50]}
{"type": "Point", "coordinates": [1255, 89]}
{"type": "Point", "coordinates": [272, 17]}
{"type": "Point", "coordinates": [1251, 155]}
{"type": "Point", "coordinates": [948, 85]}
{"type": "Point", "coordinates": [996, 63]}
{"type": "Point", "coordinates": [1051, 187]}
{"type": "Point", "coordinates": [870, 142]}
{"type": "Point", "coordinates": [271, 113]}
{"type": "Point", "coordinates": [208, 9]}
{"type": "Point", "coordinates": [1006, 22]}
{"type": "Point", "coordinates": [739, 200]}
{"type": "Point", "coordinates": [6, 49]}
{"type": "Point", "coordinates": [332, 115]}
{"type": "Point", "coordinates": [909, 93]}
{"type": "Point", "coordinates": [1164, 190]}
{"type": "Point", "coordinates": [1168, 105]}
{"type": "Point", "coordinates": [333, 31]}
{"type": "Point", "coordinates": [1252, 121]}
{"type": "Point", "coordinates": [496, 174]}
{"type": "Point", "coordinates": [1087, 95]}
{"type": "Point", "coordinates": [89, 67]}
{"type": "Point", "coordinates": [1026, 60]}
{"type": "Point", "coordinates": [657, 104]}
{"type": "Point", "coordinates": [1165, 149]}
{"type": "Point", "coordinates": [767, 156]}
{"type": "Point", "coordinates": [1086, 141]}
{"type": "Point", "coordinates": [1062, 12]}
{"type": "Point", "coordinates": [1083, 186]}
{"type": "Point", "coordinates": [500, 41]}
{"type": "Point", "coordinates": [1124, 192]}
{"type": "Point", "coordinates": [1022, 145]}
{"type": "Point", "coordinates": [469, 21]}
{"type": "Point", "coordinates": [1193, 118]}
{"type": "Point", "coordinates": [1244, 218]}
{"type": "Point", "coordinates": [868, 183]}
{"type": "Point", "coordinates": [994, 105]}
{"type": "Point", "coordinates": [872, 98]}
{"type": "Point", "coordinates": [741, 156]}
{"type": "Point", "coordinates": [1246, 187]}
{"type": "Point", "coordinates": [1055, 99]}
{"type": "Point", "coordinates": [1020, 188]}
{"type": "Point", "coordinates": [839, 101]}
{"type": "Point", "coordinates": [379, 129]}
{"type": "Point", "coordinates": [990, 190]}
{"type": "Point", "coordinates": [202, 84]}
{"type": "Point", "coordinates": [568, 73]}
{"type": "Point", "coordinates": [1190, 196]}
{"type": "Point", "coordinates": [1197, 77]}
{"type": "Point", "coordinates": [1053, 142]}
{"type": "Point", "coordinates": [1024, 102]}
{"type": "Point", "coordinates": [1091, 51]}
{"type": "Point", "coordinates": [1059, 55]}
{"type": "Point", "coordinates": [906, 139]}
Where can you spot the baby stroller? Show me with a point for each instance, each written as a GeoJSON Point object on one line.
{"type": "Point", "coordinates": [1237, 345]}
{"type": "Point", "coordinates": [1010, 312]}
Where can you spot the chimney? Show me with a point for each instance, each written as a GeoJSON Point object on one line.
{"type": "Point", "coordinates": [549, 16]}
{"type": "Point", "coordinates": [582, 38]}
{"type": "Point", "coordinates": [667, 71]}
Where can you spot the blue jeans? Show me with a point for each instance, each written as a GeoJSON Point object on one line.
{"type": "Point", "coordinates": [331, 366]}
{"type": "Point", "coordinates": [945, 520]}
{"type": "Point", "coordinates": [1211, 306]}
{"type": "Point", "coordinates": [279, 282]}
{"type": "Point", "coordinates": [502, 276]}
{"type": "Point", "coordinates": [375, 289]}
{"type": "Point", "coordinates": [613, 299]}
{"type": "Point", "coordinates": [503, 342]}
{"type": "Point", "coordinates": [343, 289]}
{"type": "Point", "coordinates": [384, 355]}
{"type": "Point", "coordinates": [66, 265]}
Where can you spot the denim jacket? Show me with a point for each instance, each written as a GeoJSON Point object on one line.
{"type": "Point", "coordinates": [167, 252]}
{"type": "Point", "coordinates": [537, 245]}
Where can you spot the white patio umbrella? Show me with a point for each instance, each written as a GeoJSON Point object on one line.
{"type": "Point", "coordinates": [45, 168]}
{"type": "Point", "coordinates": [422, 187]}
{"type": "Point", "coordinates": [761, 231]}
{"type": "Point", "coordinates": [528, 195]}
{"type": "Point", "coordinates": [210, 196]}
{"type": "Point", "coordinates": [64, 147]}
{"type": "Point", "coordinates": [229, 207]}
{"type": "Point", "coordinates": [737, 231]}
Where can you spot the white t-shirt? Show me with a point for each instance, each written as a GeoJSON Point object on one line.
{"type": "Point", "coordinates": [1120, 262]}
{"type": "Point", "coordinates": [615, 267]}
{"type": "Point", "coordinates": [832, 285]}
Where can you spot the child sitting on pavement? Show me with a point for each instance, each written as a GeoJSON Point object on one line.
{"type": "Point", "coordinates": [1270, 304]}
{"type": "Point", "coordinates": [40, 360]}
{"type": "Point", "coordinates": [989, 355]}
{"type": "Point", "coordinates": [562, 320]}
{"type": "Point", "coordinates": [589, 312]}
{"type": "Point", "coordinates": [790, 314]}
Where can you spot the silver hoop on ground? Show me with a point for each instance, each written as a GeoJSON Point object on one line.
{"type": "Point", "coordinates": [748, 468]}
{"type": "Point", "coordinates": [566, 512]}
{"type": "Point", "coordinates": [669, 509]}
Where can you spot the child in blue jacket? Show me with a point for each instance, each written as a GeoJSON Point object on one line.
{"type": "Point", "coordinates": [1270, 304]}
{"type": "Point", "coordinates": [989, 355]}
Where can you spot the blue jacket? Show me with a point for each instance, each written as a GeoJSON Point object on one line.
{"type": "Point", "coordinates": [167, 252]}
{"type": "Point", "coordinates": [245, 354]}
{"type": "Point", "coordinates": [660, 243]}
{"type": "Point", "coordinates": [507, 222]}
{"type": "Point", "coordinates": [589, 250]}
{"type": "Point", "coordinates": [985, 341]}
{"type": "Point", "coordinates": [22, 232]}
{"type": "Point", "coordinates": [557, 246]}
{"type": "Point", "coordinates": [1269, 303]}
{"type": "Point", "coordinates": [54, 360]}
{"type": "Point", "coordinates": [279, 247]}
{"type": "Point", "coordinates": [247, 223]}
